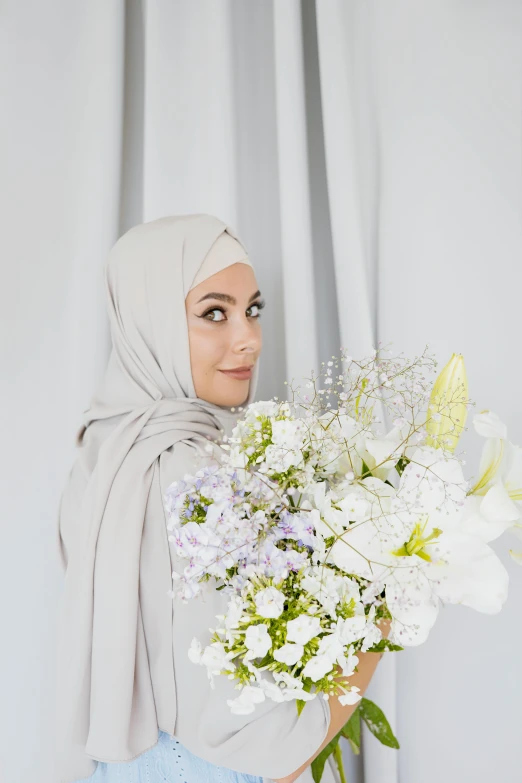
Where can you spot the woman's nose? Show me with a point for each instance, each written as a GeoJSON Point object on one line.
{"type": "Point", "coordinates": [247, 336]}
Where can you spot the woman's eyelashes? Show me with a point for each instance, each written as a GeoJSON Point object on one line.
{"type": "Point", "coordinates": [258, 305]}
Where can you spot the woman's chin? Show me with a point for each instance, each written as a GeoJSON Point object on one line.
{"type": "Point", "coordinates": [234, 394]}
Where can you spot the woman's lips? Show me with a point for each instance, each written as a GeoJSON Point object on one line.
{"type": "Point", "coordinates": [241, 375]}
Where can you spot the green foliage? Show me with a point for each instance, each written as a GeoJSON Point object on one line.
{"type": "Point", "coordinates": [320, 760]}
{"type": "Point", "coordinates": [376, 721]}
{"type": "Point", "coordinates": [352, 731]}
{"type": "Point", "coordinates": [365, 470]}
{"type": "Point", "coordinates": [401, 464]}
{"type": "Point", "coordinates": [385, 644]}
{"type": "Point", "coordinates": [338, 758]}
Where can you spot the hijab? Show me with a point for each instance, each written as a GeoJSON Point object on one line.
{"type": "Point", "coordinates": [113, 670]}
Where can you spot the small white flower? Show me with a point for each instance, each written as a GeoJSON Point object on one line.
{"type": "Point", "coordinates": [234, 612]}
{"type": "Point", "coordinates": [317, 667]}
{"type": "Point", "coordinates": [330, 645]}
{"type": "Point", "coordinates": [257, 640]}
{"type": "Point", "coordinates": [215, 658]}
{"type": "Point", "coordinates": [272, 690]}
{"type": "Point", "coordinates": [289, 653]}
{"type": "Point", "coordinates": [352, 628]}
{"type": "Point", "coordinates": [303, 628]}
{"type": "Point", "coordinates": [270, 602]}
{"type": "Point", "coordinates": [352, 697]}
{"type": "Point", "coordinates": [194, 652]}
{"type": "Point", "coordinates": [247, 699]}
{"type": "Point", "coordinates": [348, 664]}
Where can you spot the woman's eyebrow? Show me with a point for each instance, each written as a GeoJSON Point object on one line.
{"type": "Point", "coordinates": [226, 297]}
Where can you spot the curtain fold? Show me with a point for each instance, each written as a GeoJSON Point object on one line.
{"type": "Point", "coordinates": [189, 109]}
{"type": "Point", "coordinates": [336, 61]}
{"type": "Point", "coordinates": [61, 92]}
{"type": "Point", "coordinates": [294, 193]}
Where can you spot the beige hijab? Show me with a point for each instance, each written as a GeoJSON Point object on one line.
{"type": "Point", "coordinates": [115, 666]}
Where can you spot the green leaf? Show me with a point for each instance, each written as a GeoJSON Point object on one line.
{"type": "Point", "coordinates": [401, 464]}
{"type": "Point", "coordinates": [300, 705]}
{"type": "Point", "coordinates": [352, 731]}
{"type": "Point", "coordinates": [384, 644]}
{"type": "Point", "coordinates": [320, 760]}
{"type": "Point", "coordinates": [365, 470]}
{"type": "Point", "coordinates": [376, 721]}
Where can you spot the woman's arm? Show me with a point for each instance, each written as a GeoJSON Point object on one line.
{"type": "Point", "coordinates": [338, 714]}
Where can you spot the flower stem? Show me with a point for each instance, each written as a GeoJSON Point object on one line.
{"type": "Point", "coordinates": [338, 756]}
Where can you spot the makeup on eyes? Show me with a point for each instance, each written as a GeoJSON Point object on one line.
{"type": "Point", "coordinates": [259, 304]}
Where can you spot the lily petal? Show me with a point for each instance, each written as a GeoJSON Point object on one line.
{"type": "Point", "coordinates": [414, 610]}
{"type": "Point", "coordinates": [490, 461]}
{"type": "Point", "coordinates": [468, 572]}
{"type": "Point", "coordinates": [489, 425]}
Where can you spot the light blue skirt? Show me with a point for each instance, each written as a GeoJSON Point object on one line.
{"type": "Point", "coordinates": [166, 762]}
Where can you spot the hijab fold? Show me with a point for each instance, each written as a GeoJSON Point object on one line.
{"type": "Point", "coordinates": [116, 679]}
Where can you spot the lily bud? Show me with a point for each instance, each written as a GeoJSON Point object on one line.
{"type": "Point", "coordinates": [447, 409]}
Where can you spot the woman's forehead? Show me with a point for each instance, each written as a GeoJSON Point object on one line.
{"type": "Point", "coordinates": [236, 283]}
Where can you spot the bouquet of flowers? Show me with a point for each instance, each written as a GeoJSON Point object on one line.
{"type": "Point", "coordinates": [318, 525]}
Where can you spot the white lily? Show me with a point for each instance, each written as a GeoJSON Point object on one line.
{"type": "Point", "coordinates": [494, 504]}
{"type": "Point", "coordinates": [489, 425]}
{"type": "Point", "coordinates": [467, 571]}
{"type": "Point", "coordinates": [382, 454]}
{"type": "Point", "coordinates": [447, 408]}
{"type": "Point", "coordinates": [434, 480]}
{"type": "Point", "coordinates": [419, 563]}
{"type": "Point", "coordinates": [326, 520]}
{"type": "Point", "coordinates": [366, 548]}
{"type": "Point", "coordinates": [457, 568]}
{"type": "Point", "coordinates": [338, 440]}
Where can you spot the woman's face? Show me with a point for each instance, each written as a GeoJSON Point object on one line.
{"type": "Point", "coordinates": [224, 333]}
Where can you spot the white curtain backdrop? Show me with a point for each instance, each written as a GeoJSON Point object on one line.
{"type": "Point", "coordinates": [369, 153]}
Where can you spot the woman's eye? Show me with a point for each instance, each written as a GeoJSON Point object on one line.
{"type": "Point", "coordinates": [215, 310]}
{"type": "Point", "coordinates": [259, 307]}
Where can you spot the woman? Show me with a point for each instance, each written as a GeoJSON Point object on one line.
{"type": "Point", "coordinates": [184, 310]}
